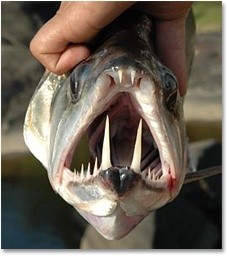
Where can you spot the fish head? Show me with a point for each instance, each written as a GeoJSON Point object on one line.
{"type": "Point", "coordinates": [133, 116]}
{"type": "Point", "coordinates": [128, 104]}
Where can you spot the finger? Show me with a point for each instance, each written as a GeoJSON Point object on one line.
{"type": "Point", "coordinates": [75, 22]}
{"type": "Point", "coordinates": [170, 47]}
{"type": "Point", "coordinates": [62, 62]}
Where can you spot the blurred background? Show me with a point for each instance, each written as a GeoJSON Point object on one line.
{"type": "Point", "coordinates": [34, 217]}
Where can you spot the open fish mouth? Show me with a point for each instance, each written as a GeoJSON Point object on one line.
{"type": "Point", "coordinates": [123, 149]}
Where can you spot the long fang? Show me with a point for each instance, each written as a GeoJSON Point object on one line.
{"type": "Point", "coordinates": [106, 160]}
{"type": "Point", "coordinates": [136, 160]}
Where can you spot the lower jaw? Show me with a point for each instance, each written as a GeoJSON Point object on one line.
{"type": "Point", "coordinates": [115, 226]}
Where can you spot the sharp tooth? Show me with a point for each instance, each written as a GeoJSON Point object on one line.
{"type": "Point", "coordinates": [136, 161]}
{"type": "Point", "coordinates": [88, 171]}
{"type": "Point", "coordinates": [120, 75]}
{"type": "Point", "coordinates": [149, 174]}
{"type": "Point", "coordinates": [106, 161]}
{"type": "Point", "coordinates": [157, 175]}
{"type": "Point", "coordinates": [82, 172]}
{"type": "Point", "coordinates": [95, 170]}
{"type": "Point", "coordinates": [153, 175]}
{"type": "Point", "coordinates": [132, 76]}
{"type": "Point", "coordinates": [74, 177]}
{"type": "Point", "coordinates": [77, 176]}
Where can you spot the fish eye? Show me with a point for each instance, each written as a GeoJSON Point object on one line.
{"type": "Point", "coordinates": [170, 88]}
{"type": "Point", "coordinates": [77, 83]}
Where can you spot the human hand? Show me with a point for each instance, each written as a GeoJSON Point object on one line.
{"type": "Point", "coordinates": [61, 43]}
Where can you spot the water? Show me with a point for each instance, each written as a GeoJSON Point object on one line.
{"type": "Point", "coordinates": [34, 217]}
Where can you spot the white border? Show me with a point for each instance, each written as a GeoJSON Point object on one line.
{"type": "Point", "coordinates": [225, 176]}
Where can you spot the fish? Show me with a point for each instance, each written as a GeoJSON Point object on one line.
{"type": "Point", "coordinates": [128, 105]}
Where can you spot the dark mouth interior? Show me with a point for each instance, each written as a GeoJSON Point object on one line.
{"type": "Point", "coordinates": [124, 120]}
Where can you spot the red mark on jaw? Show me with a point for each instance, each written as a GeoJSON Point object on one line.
{"type": "Point", "coordinates": [171, 182]}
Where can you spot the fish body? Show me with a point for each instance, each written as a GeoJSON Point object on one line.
{"type": "Point", "coordinates": [129, 105]}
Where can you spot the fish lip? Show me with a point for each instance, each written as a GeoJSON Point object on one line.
{"type": "Point", "coordinates": [120, 60]}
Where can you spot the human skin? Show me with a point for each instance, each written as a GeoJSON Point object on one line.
{"type": "Point", "coordinates": [61, 43]}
